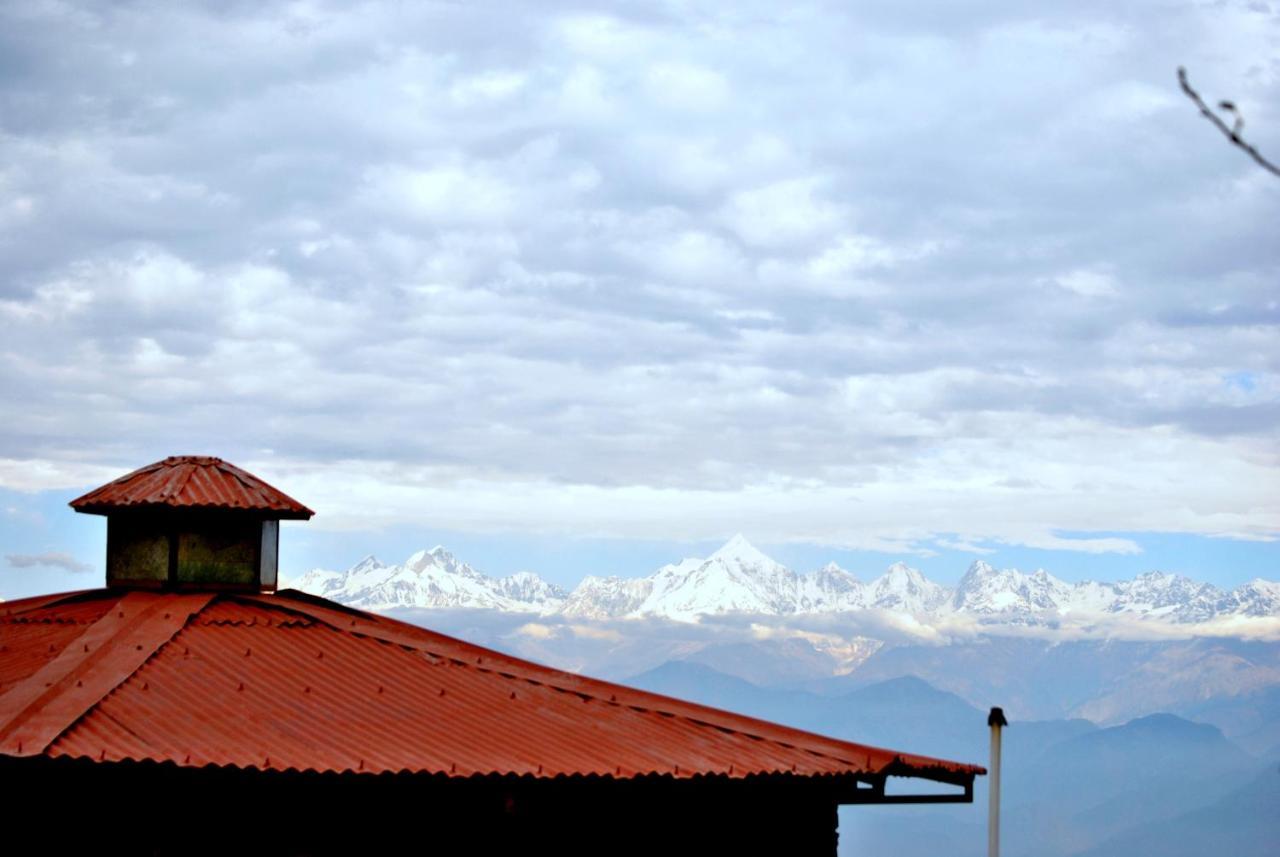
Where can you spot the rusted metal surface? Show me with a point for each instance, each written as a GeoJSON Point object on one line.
{"type": "Point", "coordinates": [191, 482]}
{"type": "Point", "coordinates": [46, 628]}
{"type": "Point", "coordinates": [38, 709]}
{"type": "Point", "coordinates": [291, 682]}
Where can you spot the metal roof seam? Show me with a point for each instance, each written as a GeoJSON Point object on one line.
{"type": "Point", "coordinates": [184, 479]}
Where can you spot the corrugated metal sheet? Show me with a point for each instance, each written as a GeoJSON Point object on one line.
{"type": "Point", "coordinates": [293, 682]}
{"type": "Point", "coordinates": [44, 632]}
{"type": "Point", "coordinates": [191, 482]}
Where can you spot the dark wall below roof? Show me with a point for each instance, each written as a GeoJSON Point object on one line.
{"type": "Point", "coordinates": [163, 809]}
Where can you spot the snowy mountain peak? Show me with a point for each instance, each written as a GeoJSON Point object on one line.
{"type": "Point", "coordinates": [905, 589]}
{"type": "Point", "coordinates": [431, 579]}
{"type": "Point", "coordinates": [980, 568]}
{"type": "Point", "coordinates": [1155, 577]}
{"type": "Point", "coordinates": [742, 552]}
{"type": "Point", "coordinates": [833, 568]}
{"type": "Point", "coordinates": [901, 575]}
{"type": "Point", "coordinates": [418, 559]}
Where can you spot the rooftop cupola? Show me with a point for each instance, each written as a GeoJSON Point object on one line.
{"type": "Point", "coordinates": [192, 522]}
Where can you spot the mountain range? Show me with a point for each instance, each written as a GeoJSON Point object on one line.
{"type": "Point", "coordinates": [740, 579]}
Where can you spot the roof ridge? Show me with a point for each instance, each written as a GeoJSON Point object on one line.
{"type": "Point", "coordinates": [35, 712]}
{"type": "Point", "coordinates": [239, 475]}
{"type": "Point", "coordinates": [186, 477]}
{"type": "Point", "coordinates": [9, 609]}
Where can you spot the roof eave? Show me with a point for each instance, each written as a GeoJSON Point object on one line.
{"type": "Point", "coordinates": [91, 508]}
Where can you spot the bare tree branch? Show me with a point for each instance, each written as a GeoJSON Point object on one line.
{"type": "Point", "coordinates": [1232, 134]}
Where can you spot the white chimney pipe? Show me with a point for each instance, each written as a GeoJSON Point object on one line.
{"type": "Point", "coordinates": [996, 721]}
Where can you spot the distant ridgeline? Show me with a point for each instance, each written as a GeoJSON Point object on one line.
{"type": "Point", "coordinates": [739, 579]}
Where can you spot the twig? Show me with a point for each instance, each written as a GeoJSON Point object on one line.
{"type": "Point", "coordinates": [1231, 134]}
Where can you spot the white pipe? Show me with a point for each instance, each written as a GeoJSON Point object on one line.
{"type": "Point", "coordinates": [995, 720]}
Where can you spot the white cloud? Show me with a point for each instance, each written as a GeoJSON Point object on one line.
{"type": "Point", "coordinates": [686, 86]}
{"type": "Point", "coordinates": [783, 213]}
{"type": "Point", "coordinates": [837, 275]}
{"type": "Point", "coordinates": [52, 559]}
{"type": "Point", "coordinates": [1088, 283]}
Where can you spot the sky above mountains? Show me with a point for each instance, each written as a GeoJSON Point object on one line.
{"type": "Point", "coordinates": [585, 290]}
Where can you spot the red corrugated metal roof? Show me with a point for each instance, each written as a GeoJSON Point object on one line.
{"type": "Point", "coordinates": [288, 681]}
{"type": "Point", "coordinates": [191, 482]}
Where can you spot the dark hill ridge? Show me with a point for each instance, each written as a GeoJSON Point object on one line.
{"type": "Point", "coordinates": [1103, 782]}
{"type": "Point", "coordinates": [1242, 823]}
{"type": "Point", "coordinates": [1220, 680]}
{"type": "Point", "coordinates": [904, 711]}
{"type": "Point", "coordinates": [1069, 786]}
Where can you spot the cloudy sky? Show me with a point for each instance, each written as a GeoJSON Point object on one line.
{"type": "Point", "coordinates": [586, 287]}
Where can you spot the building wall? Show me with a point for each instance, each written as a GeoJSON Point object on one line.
{"type": "Point", "coordinates": [202, 547]}
{"type": "Point", "coordinates": [76, 805]}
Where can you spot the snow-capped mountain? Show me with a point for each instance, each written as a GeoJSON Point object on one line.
{"type": "Point", "coordinates": [829, 588]}
{"type": "Point", "coordinates": [739, 578]}
{"type": "Point", "coordinates": [434, 578]}
{"type": "Point", "coordinates": [1258, 597]}
{"type": "Point", "coordinates": [905, 590]}
{"type": "Point", "coordinates": [606, 597]}
{"type": "Point", "coordinates": [1170, 596]}
{"type": "Point", "coordinates": [985, 589]}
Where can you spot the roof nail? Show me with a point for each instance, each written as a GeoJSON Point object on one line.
{"type": "Point", "coordinates": [513, 694]}
{"type": "Point", "coordinates": [241, 687]}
